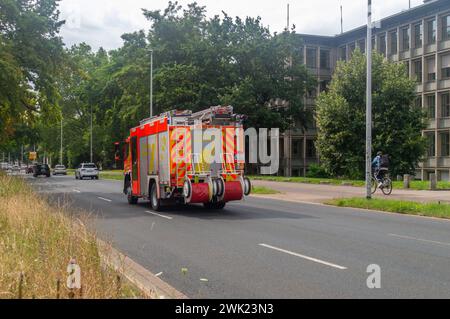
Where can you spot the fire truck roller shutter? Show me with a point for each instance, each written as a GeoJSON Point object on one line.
{"type": "Point", "coordinates": [153, 154]}
{"type": "Point", "coordinates": [164, 167]}
{"type": "Point", "coordinates": [143, 167]}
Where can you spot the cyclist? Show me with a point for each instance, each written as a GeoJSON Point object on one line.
{"type": "Point", "coordinates": [380, 164]}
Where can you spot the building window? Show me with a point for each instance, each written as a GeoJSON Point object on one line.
{"type": "Point", "coordinates": [325, 59]}
{"type": "Point", "coordinates": [393, 41]}
{"type": "Point", "coordinates": [406, 63]}
{"type": "Point", "coordinates": [362, 45]}
{"type": "Point", "coordinates": [431, 106]}
{"type": "Point", "coordinates": [343, 53]}
{"type": "Point", "coordinates": [418, 34]}
{"type": "Point", "coordinates": [382, 44]}
{"type": "Point", "coordinates": [418, 102]}
{"type": "Point", "coordinates": [324, 85]}
{"type": "Point", "coordinates": [445, 105]}
{"type": "Point", "coordinates": [351, 48]}
{"type": "Point", "coordinates": [311, 58]}
{"type": "Point", "coordinates": [431, 70]}
{"type": "Point", "coordinates": [297, 148]}
{"type": "Point", "coordinates": [310, 149]}
{"type": "Point", "coordinates": [418, 70]}
{"type": "Point", "coordinates": [445, 146]}
{"type": "Point", "coordinates": [432, 27]}
{"type": "Point", "coordinates": [431, 139]}
{"type": "Point", "coordinates": [446, 27]}
{"type": "Point", "coordinates": [405, 39]}
{"type": "Point", "coordinates": [445, 62]}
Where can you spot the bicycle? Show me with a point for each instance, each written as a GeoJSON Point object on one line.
{"type": "Point", "coordinates": [386, 184]}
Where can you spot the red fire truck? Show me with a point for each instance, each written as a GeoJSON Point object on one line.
{"type": "Point", "coordinates": [188, 158]}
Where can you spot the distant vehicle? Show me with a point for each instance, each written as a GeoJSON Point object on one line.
{"type": "Point", "coordinates": [60, 170]}
{"type": "Point", "coordinates": [4, 166]}
{"type": "Point", "coordinates": [41, 170]}
{"type": "Point", "coordinates": [89, 170]}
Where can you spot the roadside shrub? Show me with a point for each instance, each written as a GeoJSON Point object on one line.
{"type": "Point", "coordinates": [317, 171]}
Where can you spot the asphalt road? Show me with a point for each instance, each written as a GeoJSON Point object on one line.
{"type": "Point", "coordinates": [264, 248]}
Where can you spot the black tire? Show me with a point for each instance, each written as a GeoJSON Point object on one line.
{"type": "Point", "coordinates": [187, 189]}
{"type": "Point", "coordinates": [387, 190]}
{"type": "Point", "coordinates": [374, 185]}
{"type": "Point", "coordinates": [220, 187]}
{"type": "Point", "coordinates": [155, 202]}
{"type": "Point", "coordinates": [132, 200]}
{"type": "Point", "coordinates": [247, 186]}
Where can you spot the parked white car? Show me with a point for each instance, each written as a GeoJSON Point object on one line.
{"type": "Point", "coordinates": [60, 170]}
{"type": "Point", "coordinates": [88, 170]}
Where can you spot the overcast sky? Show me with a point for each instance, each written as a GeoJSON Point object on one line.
{"type": "Point", "coordinates": [102, 22]}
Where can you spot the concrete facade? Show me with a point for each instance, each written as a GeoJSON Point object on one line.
{"type": "Point", "coordinates": [418, 37]}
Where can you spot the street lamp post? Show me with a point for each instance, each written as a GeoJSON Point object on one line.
{"type": "Point", "coordinates": [369, 102]}
{"type": "Point", "coordinates": [61, 149]}
{"type": "Point", "coordinates": [151, 83]}
{"type": "Point", "coordinates": [92, 132]}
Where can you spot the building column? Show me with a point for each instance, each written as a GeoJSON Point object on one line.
{"type": "Point", "coordinates": [304, 155]}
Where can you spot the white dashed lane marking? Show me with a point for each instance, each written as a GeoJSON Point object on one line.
{"type": "Point", "coordinates": [304, 257]}
{"type": "Point", "coordinates": [159, 215]}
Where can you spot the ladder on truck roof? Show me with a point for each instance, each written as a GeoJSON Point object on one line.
{"type": "Point", "coordinates": [214, 115]}
{"type": "Point", "coordinates": [220, 115]}
{"type": "Point", "coordinates": [176, 117]}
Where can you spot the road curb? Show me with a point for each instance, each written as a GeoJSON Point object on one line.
{"type": "Point", "coordinates": [350, 208]}
{"type": "Point", "coordinates": [143, 279]}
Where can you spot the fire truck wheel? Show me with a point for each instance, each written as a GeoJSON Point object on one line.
{"type": "Point", "coordinates": [220, 187]}
{"type": "Point", "coordinates": [247, 186]}
{"type": "Point", "coordinates": [132, 200]}
{"type": "Point", "coordinates": [155, 202]}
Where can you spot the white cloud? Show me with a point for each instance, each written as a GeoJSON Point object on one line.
{"type": "Point", "coordinates": [102, 22]}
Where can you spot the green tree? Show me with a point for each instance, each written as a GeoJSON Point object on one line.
{"type": "Point", "coordinates": [397, 122]}
{"type": "Point", "coordinates": [31, 56]}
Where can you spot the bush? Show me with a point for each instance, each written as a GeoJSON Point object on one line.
{"type": "Point", "coordinates": [317, 171]}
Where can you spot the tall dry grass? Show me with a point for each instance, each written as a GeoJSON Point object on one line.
{"type": "Point", "coordinates": [37, 242]}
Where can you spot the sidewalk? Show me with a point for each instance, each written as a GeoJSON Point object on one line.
{"type": "Point", "coordinates": [320, 193]}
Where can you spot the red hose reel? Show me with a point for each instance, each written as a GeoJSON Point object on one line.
{"type": "Point", "coordinates": [196, 193]}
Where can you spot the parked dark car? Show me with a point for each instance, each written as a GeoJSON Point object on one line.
{"type": "Point", "coordinates": [41, 170]}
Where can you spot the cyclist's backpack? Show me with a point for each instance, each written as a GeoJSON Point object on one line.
{"type": "Point", "coordinates": [384, 161]}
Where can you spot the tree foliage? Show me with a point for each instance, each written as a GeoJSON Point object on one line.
{"type": "Point", "coordinates": [31, 54]}
{"type": "Point", "coordinates": [198, 62]}
{"type": "Point", "coordinates": [397, 122]}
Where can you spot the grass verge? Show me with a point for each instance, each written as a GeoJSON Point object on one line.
{"type": "Point", "coordinates": [113, 175]}
{"type": "Point", "coordinates": [262, 190]}
{"type": "Point", "coordinates": [395, 206]}
{"type": "Point", "coordinates": [38, 240]}
{"type": "Point", "coordinates": [415, 185]}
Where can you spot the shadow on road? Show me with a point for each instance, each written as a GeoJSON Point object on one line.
{"type": "Point", "coordinates": [119, 208]}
